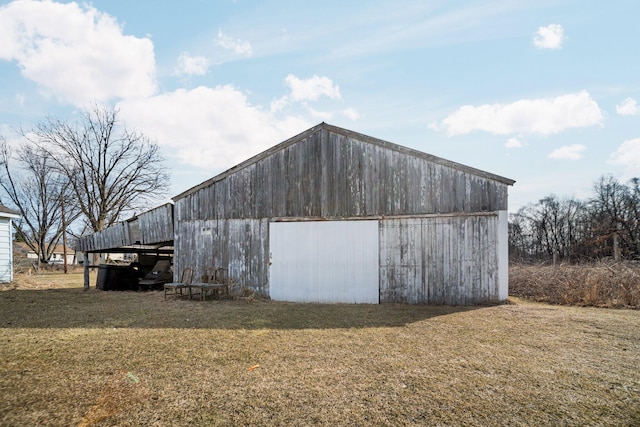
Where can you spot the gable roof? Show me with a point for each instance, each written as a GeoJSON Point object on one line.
{"type": "Point", "coordinates": [349, 134]}
{"type": "Point", "coordinates": [58, 249]}
{"type": "Point", "coordinates": [8, 213]}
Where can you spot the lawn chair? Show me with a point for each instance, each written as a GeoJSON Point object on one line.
{"type": "Point", "coordinates": [178, 287]}
{"type": "Point", "coordinates": [198, 286]}
{"type": "Point", "coordinates": [159, 275]}
{"type": "Point", "coordinates": [218, 284]}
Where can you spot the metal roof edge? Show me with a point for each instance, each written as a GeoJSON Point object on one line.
{"type": "Point", "coordinates": [5, 212]}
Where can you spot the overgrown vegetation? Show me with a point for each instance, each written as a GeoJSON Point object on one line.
{"type": "Point", "coordinates": [133, 359]}
{"type": "Point", "coordinates": [600, 284]}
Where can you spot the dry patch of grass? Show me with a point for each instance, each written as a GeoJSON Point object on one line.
{"type": "Point", "coordinates": [47, 280]}
{"type": "Point", "coordinates": [599, 284]}
{"type": "Point", "coordinates": [69, 357]}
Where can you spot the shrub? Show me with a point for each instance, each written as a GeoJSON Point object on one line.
{"type": "Point", "coordinates": [598, 284]}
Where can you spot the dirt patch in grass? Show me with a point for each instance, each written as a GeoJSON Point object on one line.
{"type": "Point", "coordinates": [69, 357]}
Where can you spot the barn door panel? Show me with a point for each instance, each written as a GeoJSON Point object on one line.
{"type": "Point", "coordinates": [324, 261]}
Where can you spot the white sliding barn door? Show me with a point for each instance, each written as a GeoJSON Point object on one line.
{"type": "Point", "coordinates": [324, 261]}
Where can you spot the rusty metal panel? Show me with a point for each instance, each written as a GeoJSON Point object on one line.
{"type": "Point", "coordinates": [326, 262]}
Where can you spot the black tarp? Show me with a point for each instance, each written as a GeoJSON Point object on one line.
{"type": "Point", "coordinates": [117, 277]}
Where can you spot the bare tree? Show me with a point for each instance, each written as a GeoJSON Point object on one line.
{"type": "Point", "coordinates": [605, 225]}
{"type": "Point", "coordinates": [616, 211]}
{"type": "Point", "coordinates": [112, 169]}
{"type": "Point", "coordinates": [30, 180]}
{"type": "Point", "coordinates": [632, 223]}
{"type": "Point", "coordinates": [552, 228]}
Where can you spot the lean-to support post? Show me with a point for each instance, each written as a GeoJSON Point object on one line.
{"type": "Point", "coordinates": [86, 271]}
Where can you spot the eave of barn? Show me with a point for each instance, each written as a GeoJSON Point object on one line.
{"type": "Point", "coordinates": [148, 231]}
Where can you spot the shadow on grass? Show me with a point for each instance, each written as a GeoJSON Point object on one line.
{"type": "Point", "coordinates": [75, 308]}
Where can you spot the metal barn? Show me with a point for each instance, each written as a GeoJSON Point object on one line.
{"type": "Point", "coordinates": [331, 215]}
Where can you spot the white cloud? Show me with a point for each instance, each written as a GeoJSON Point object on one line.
{"type": "Point", "coordinates": [350, 113]}
{"type": "Point", "coordinates": [306, 90]}
{"type": "Point", "coordinates": [543, 116]}
{"type": "Point", "coordinates": [568, 152]}
{"type": "Point", "coordinates": [549, 37]}
{"type": "Point", "coordinates": [210, 128]}
{"type": "Point", "coordinates": [311, 89]}
{"type": "Point", "coordinates": [629, 107]}
{"type": "Point", "coordinates": [628, 156]}
{"type": "Point", "coordinates": [237, 46]}
{"type": "Point", "coordinates": [317, 114]}
{"type": "Point", "coordinates": [76, 52]}
{"type": "Point", "coordinates": [514, 143]}
{"type": "Point", "coordinates": [191, 65]}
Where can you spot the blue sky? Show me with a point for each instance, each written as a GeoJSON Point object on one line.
{"type": "Point", "coordinates": [543, 92]}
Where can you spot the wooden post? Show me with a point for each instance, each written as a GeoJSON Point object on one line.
{"type": "Point", "coordinates": [616, 247]}
{"type": "Point", "coordinates": [64, 236]}
{"type": "Point", "coordinates": [86, 271]}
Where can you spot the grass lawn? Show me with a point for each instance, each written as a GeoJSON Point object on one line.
{"type": "Point", "coordinates": [69, 357]}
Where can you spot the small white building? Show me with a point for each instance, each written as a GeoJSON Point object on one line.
{"type": "Point", "coordinates": [6, 243]}
{"type": "Point", "coordinates": [57, 256]}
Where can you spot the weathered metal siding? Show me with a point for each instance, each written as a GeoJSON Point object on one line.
{"type": "Point", "coordinates": [114, 236]}
{"type": "Point", "coordinates": [331, 175]}
{"type": "Point", "coordinates": [156, 225]}
{"type": "Point", "coordinates": [441, 260]}
{"type": "Point", "coordinates": [239, 245]}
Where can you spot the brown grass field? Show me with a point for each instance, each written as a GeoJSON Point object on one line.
{"type": "Point", "coordinates": [75, 358]}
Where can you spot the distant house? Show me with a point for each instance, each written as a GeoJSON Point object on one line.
{"type": "Point", "coordinates": [6, 244]}
{"type": "Point", "coordinates": [57, 257]}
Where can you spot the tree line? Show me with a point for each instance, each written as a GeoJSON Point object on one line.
{"type": "Point", "coordinates": [604, 225]}
{"type": "Point", "coordinates": [72, 177]}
